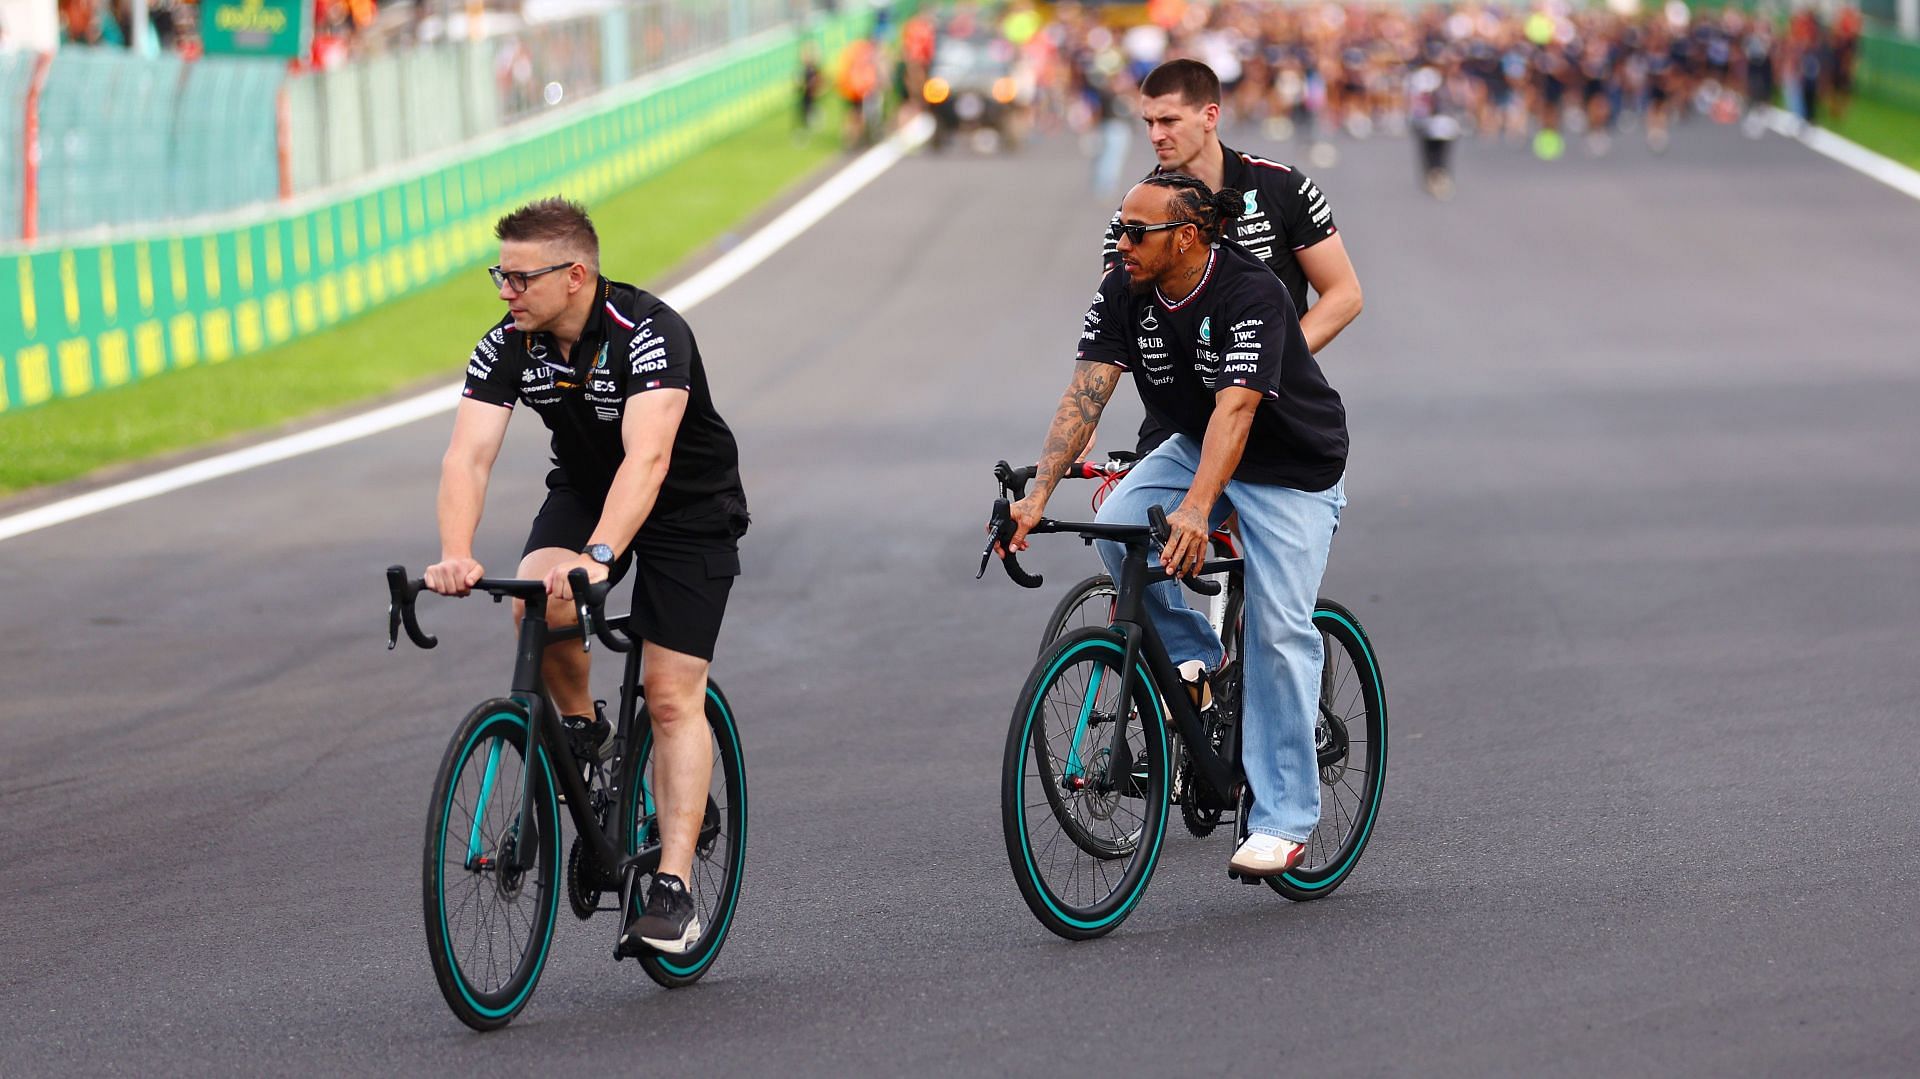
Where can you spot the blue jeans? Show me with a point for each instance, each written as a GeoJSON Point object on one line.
{"type": "Point", "coordinates": [1285, 535]}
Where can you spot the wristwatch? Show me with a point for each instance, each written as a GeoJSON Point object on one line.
{"type": "Point", "coordinates": [600, 553]}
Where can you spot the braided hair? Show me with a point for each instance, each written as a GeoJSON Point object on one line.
{"type": "Point", "coordinates": [1211, 211]}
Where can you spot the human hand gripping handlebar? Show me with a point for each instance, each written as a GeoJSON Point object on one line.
{"type": "Point", "coordinates": [1001, 528]}
{"type": "Point", "coordinates": [1162, 532]}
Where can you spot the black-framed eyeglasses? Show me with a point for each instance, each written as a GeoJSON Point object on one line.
{"type": "Point", "coordinates": [518, 280]}
{"type": "Point", "coordinates": [1135, 234]}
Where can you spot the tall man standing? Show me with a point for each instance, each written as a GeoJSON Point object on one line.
{"type": "Point", "coordinates": [646, 475]}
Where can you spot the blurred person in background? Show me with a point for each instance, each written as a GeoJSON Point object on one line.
{"type": "Point", "coordinates": [1112, 95]}
{"type": "Point", "coordinates": [1285, 221]}
{"type": "Point", "coordinates": [1434, 119]}
{"type": "Point", "coordinates": [809, 87]}
{"type": "Point", "coordinates": [856, 75]}
{"type": "Point", "coordinates": [1804, 66]}
{"type": "Point", "coordinates": [1758, 60]}
{"type": "Point", "coordinates": [1845, 54]}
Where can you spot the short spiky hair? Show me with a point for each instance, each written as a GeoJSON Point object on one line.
{"type": "Point", "coordinates": [1194, 81]}
{"type": "Point", "coordinates": [553, 220]}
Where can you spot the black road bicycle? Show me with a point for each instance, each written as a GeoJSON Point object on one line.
{"type": "Point", "coordinates": [491, 860]}
{"type": "Point", "coordinates": [1105, 739]}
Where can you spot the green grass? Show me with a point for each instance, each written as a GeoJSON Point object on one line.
{"type": "Point", "coordinates": [644, 232]}
{"type": "Point", "coordinates": [1884, 128]}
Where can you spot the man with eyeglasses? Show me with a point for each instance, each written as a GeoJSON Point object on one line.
{"type": "Point", "coordinates": [646, 477]}
{"type": "Point", "coordinates": [1220, 361]}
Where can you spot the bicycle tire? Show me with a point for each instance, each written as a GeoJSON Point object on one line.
{"type": "Point", "coordinates": [484, 815]}
{"type": "Point", "coordinates": [1090, 912]}
{"type": "Point", "coordinates": [1068, 614]}
{"type": "Point", "coordinates": [719, 861]}
{"type": "Point", "coordinates": [1358, 699]}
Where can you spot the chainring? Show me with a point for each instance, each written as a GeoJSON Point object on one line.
{"type": "Point", "coordinates": [584, 900]}
{"type": "Point", "coordinates": [583, 892]}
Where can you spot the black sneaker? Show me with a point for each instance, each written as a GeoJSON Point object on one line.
{"type": "Point", "coordinates": [668, 924]}
{"type": "Point", "coordinates": [590, 737]}
{"type": "Point", "coordinates": [591, 740]}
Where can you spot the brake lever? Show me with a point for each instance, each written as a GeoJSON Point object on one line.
{"type": "Point", "coordinates": [400, 597]}
{"type": "Point", "coordinates": [994, 526]}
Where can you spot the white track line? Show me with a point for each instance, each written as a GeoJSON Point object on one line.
{"type": "Point", "coordinates": [1851, 154]}
{"type": "Point", "coordinates": [724, 271]}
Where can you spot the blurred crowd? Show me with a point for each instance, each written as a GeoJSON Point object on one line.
{"type": "Point", "coordinates": [174, 26]}
{"type": "Point", "coordinates": [1543, 70]}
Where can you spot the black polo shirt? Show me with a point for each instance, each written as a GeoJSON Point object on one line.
{"type": "Point", "coordinates": [1237, 328]}
{"type": "Point", "coordinates": [1285, 212]}
{"type": "Point", "coordinates": [633, 343]}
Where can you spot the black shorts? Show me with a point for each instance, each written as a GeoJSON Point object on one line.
{"type": "Point", "coordinates": [681, 579]}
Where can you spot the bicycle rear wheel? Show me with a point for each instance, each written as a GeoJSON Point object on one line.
{"type": "Point", "coordinates": [719, 857]}
{"type": "Point", "coordinates": [489, 920]}
{"type": "Point", "coordinates": [1087, 605]}
{"type": "Point", "coordinates": [1351, 736]}
{"type": "Point", "coordinates": [1083, 823]}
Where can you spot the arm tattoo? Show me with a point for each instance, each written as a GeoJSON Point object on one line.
{"type": "Point", "coordinates": [1075, 419]}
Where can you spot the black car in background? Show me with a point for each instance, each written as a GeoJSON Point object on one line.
{"type": "Point", "coordinates": [977, 85]}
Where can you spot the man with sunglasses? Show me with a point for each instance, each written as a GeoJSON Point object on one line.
{"type": "Point", "coordinates": [646, 477]}
{"type": "Point", "coordinates": [1285, 221]}
{"type": "Point", "coordinates": [1220, 360]}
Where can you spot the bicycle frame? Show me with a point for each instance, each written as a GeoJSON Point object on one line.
{"type": "Point", "coordinates": [1219, 771]}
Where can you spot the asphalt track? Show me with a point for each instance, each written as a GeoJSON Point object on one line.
{"type": "Point", "coordinates": [1633, 525]}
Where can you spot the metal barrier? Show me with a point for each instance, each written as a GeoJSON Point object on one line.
{"type": "Point", "coordinates": [125, 140]}
{"type": "Point", "coordinates": [104, 314]}
{"type": "Point", "coordinates": [1890, 70]}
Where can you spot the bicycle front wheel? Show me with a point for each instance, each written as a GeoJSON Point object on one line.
{"type": "Point", "coordinates": [1350, 734]}
{"type": "Point", "coordinates": [719, 856]}
{"type": "Point", "coordinates": [488, 887]}
{"type": "Point", "coordinates": [1084, 786]}
{"type": "Point", "coordinates": [1087, 605]}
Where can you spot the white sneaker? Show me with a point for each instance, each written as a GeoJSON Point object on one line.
{"type": "Point", "coordinates": [1193, 674]}
{"type": "Point", "coordinates": [1266, 856]}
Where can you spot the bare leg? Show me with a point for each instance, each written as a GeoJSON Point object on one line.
{"type": "Point", "coordinates": [565, 666]}
{"type": "Point", "coordinates": [682, 754]}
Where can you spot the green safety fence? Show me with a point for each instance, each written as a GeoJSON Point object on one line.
{"type": "Point", "coordinates": [1890, 70]}
{"type": "Point", "coordinates": [97, 316]}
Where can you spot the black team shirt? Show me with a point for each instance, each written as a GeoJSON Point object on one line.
{"type": "Point", "coordinates": [1237, 328]}
{"type": "Point", "coordinates": [633, 343]}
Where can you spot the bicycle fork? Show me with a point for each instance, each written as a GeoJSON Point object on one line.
{"type": "Point", "coordinates": [1127, 617]}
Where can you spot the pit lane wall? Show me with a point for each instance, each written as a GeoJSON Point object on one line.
{"type": "Point", "coordinates": [85, 317]}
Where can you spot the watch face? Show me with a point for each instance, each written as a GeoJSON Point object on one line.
{"type": "Point", "coordinates": [601, 553]}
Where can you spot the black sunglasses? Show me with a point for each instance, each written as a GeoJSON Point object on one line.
{"type": "Point", "coordinates": [1137, 233]}
{"type": "Point", "coordinates": [518, 280]}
